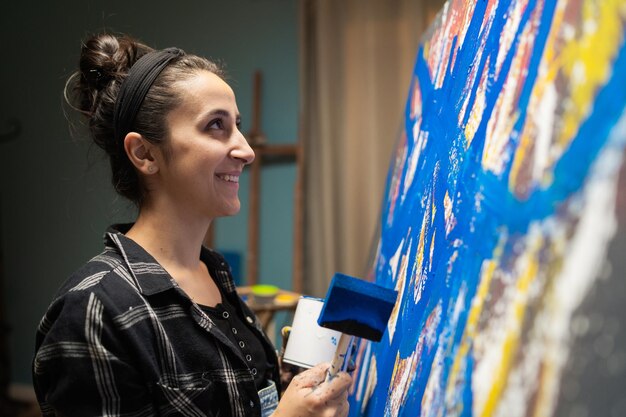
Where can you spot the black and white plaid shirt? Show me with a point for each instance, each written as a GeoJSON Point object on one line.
{"type": "Point", "coordinates": [122, 339]}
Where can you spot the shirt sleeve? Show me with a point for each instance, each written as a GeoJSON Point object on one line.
{"type": "Point", "coordinates": [81, 367]}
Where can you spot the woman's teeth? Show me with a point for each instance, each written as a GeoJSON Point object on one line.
{"type": "Point", "coordinates": [229, 178]}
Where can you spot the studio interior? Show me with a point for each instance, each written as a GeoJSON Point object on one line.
{"type": "Point", "coordinates": [466, 154]}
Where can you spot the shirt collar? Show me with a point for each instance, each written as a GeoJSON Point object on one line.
{"type": "Point", "coordinates": [149, 276]}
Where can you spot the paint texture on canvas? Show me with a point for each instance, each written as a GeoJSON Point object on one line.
{"type": "Point", "coordinates": [500, 208]}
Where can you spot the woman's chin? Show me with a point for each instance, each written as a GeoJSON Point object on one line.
{"type": "Point", "coordinates": [230, 210]}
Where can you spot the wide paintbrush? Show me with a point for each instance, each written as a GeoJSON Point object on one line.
{"type": "Point", "coordinates": [355, 308]}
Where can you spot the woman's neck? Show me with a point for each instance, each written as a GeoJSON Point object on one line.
{"type": "Point", "coordinates": [173, 239]}
{"type": "Point", "coordinates": [176, 245]}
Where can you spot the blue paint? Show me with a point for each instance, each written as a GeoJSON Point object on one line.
{"type": "Point", "coordinates": [357, 307]}
{"type": "Point", "coordinates": [483, 205]}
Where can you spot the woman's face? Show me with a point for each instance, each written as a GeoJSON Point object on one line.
{"type": "Point", "coordinates": [206, 152]}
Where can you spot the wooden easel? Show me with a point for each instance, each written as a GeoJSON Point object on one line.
{"type": "Point", "coordinates": [270, 154]}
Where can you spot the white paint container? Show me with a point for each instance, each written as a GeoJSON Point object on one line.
{"type": "Point", "coordinates": [310, 344]}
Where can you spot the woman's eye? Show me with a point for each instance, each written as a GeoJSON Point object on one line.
{"type": "Point", "coordinates": [216, 124]}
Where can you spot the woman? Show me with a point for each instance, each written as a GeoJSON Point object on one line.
{"type": "Point", "coordinates": [153, 325]}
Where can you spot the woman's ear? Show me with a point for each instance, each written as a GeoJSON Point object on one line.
{"type": "Point", "coordinates": [141, 153]}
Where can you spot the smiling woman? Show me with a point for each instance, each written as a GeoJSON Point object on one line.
{"type": "Point", "coordinates": [206, 151]}
{"type": "Point", "coordinates": [154, 325]}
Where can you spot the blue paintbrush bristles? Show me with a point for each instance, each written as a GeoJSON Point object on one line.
{"type": "Point", "coordinates": [356, 307]}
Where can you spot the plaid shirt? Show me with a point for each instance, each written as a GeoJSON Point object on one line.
{"type": "Point", "coordinates": [122, 339]}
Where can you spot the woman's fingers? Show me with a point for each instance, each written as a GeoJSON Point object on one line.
{"type": "Point", "coordinates": [312, 377]}
{"type": "Point", "coordinates": [336, 387]}
{"type": "Point", "coordinates": [310, 395]}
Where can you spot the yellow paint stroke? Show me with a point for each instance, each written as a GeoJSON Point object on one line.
{"type": "Point", "coordinates": [602, 37]}
{"type": "Point", "coordinates": [400, 279]}
{"type": "Point", "coordinates": [396, 365]}
{"type": "Point", "coordinates": [506, 113]}
{"type": "Point", "coordinates": [401, 379]}
{"type": "Point", "coordinates": [547, 73]}
{"type": "Point", "coordinates": [489, 267]}
{"type": "Point", "coordinates": [416, 276]}
{"type": "Point", "coordinates": [584, 61]}
{"type": "Point", "coordinates": [510, 345]}
{"type": "Point", "coordinates": [476, 112]}
{"type": "Point", "coordinates": [419, 255]}
{"type": "Point", "coordinates": [511, 341]}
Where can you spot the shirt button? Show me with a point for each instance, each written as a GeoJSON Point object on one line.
{"type": "Point", "coordinates": [253, 371]}
{"type": "Point", "coordinates": [225, 314]}
{"type": "Point", "coordinates": [251, 404]}
{"type": "Point", "coordinates": [234, 330]}
{"type": "Point", "coordinates": [241, 344]}
{"type": "Point", "coordinates": [250, 319]}
{"type": "Point", "coordinates": [248, 358]}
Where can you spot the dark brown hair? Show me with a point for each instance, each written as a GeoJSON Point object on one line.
{"type": "Point", "coordinates": [105, 60]}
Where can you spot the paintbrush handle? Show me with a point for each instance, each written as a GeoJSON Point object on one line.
{"type": "Point", "coordinates": [340, 356]}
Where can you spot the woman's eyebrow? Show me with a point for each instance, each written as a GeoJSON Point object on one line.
{"type": "Point", "coordinates": [221, 112]}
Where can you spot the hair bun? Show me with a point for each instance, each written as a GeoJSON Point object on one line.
{"type": "Point", "coordinates": [106, 57]}
{"type": "Point", "coordinates": [105, 60]}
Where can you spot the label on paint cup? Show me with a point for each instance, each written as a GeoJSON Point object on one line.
{"type": "Point", "coordinates": [309, 343]}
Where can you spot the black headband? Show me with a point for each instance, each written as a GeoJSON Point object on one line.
{"type": "Point", "coordinates": [136, 85]}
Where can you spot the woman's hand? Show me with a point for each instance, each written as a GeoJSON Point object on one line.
{"type": "Point", "coordinates": [309, 395]}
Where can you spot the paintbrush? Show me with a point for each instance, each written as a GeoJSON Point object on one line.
{"type": "Point", "coordinates": [355, 308]}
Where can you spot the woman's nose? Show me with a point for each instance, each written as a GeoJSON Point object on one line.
{"type": "Point", "coordinates": [242, 150]}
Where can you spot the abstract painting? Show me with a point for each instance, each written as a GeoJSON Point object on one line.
{"type": "Point", "coordinates": [504, 204]}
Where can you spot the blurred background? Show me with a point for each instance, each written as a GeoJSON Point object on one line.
{"type": "Point", "coordinates": [333, 80]}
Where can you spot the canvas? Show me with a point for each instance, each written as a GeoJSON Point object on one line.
{"type": "Point", "coordinates": [504, 217]}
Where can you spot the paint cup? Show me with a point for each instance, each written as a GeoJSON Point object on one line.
{"type": "Point", "coordinates": [309, 343]}
{"type": "Point", "coordinates": [264, 294]}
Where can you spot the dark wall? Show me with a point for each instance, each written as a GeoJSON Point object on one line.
{"type": "Point", "coordinates": [55, 197]}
